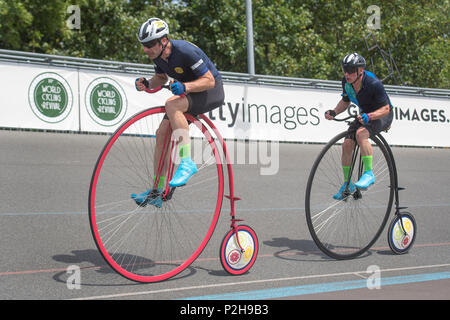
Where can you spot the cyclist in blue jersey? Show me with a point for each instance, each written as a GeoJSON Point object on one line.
{"type": "Point", "coordinates": [365, 90]}
{"type": "Point", "coordinates": [198, 89]}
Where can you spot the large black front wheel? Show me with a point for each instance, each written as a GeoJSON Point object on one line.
{"type": "Point", "coordinates": [348, 227]}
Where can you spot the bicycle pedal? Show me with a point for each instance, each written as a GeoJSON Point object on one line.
{"type": "Point", "coordinates": [232, 198]}
{"type": "Point", "coordinates": [398, 188]}
{"type": "Point", "coordinates": [141, 204]}
{"type": "Point", "coordinates": [169, 194]}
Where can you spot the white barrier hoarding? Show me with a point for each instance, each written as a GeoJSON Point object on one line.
{"type": "Point", "coordinates": [420, 121]}
{"type": "Point", "coordinates": [297, 115]}
{"type": "Point", "coordinates": [35, 97]}
{"type": "Point", "coordinates": [273, 113]}
{"type": "Point", "coordinates": [107, 100]}
{"type": "Point", "coordinates": [94, 101]}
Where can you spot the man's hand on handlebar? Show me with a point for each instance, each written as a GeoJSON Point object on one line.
{"type": "Point", "coordinates": [330, 114]}
{"type": "Point", "coordinates": [364, 118]}
{"type": "Point", "coordinates": [177, 88]}
{"type": "Point", "coordinates": [141, 84]}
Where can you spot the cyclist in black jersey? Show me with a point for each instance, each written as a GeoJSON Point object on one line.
{"type": "Point", "coordinates": [364, 89]}
{"type": "Point", "coordinates": [198, 89]}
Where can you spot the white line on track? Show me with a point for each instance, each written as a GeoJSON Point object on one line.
{"type": "Point", "coordinates": [218, 285]}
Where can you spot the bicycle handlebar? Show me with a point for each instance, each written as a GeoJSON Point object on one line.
{"type": "Point", "coordinates": [153, 90]}
{"type": "Point", "coordinates": [349, 117]}
{"type": "Point", "coordinates": [164, 86]}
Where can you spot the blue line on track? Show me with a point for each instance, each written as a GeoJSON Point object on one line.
{"type": "Point", "coordinates": [321, 288]}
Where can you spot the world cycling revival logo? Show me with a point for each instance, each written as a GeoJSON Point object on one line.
{"type": "Point", "coordinates": [50, 97]}
{"type": "Point", "coordinates": [106, 101]}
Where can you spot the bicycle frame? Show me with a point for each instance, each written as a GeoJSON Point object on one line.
{"type": "Point", "coordinates": [391, 156]}
{"type": "Point", "coordinates": [352, 166]}
{"type": "Point", "coordinates": [396, 187]}
{"type": "Point", "coordinates": [231, 196]}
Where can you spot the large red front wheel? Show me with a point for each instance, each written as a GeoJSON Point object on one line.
{"type": "Point", "coordinates": [153, 242]}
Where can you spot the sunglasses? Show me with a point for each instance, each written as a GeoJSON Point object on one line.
{"type": "Point", "coordinates": [150, 44]}
{"type": "Point", "coordinates": [349, 70]}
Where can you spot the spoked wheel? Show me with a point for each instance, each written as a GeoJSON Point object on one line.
{"type": "Point", "coordinates": [149, 243]}
{"type": "Point", "coordinates": [402, 233]}
{"type": "Point", "coordinates": [346, 228]}
{"type": "Point", "coordinates": [233, 259]}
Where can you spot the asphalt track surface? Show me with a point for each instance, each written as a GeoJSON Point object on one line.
{"type": "Point", "coordinates": [44, 229]}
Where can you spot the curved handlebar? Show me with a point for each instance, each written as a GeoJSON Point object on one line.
{"type": "Point", "coordinates": [349, 117]}
{"type": "Point", "coordinates": [164, 86]}
{"type": "Point", "coordinates": [148, 90]}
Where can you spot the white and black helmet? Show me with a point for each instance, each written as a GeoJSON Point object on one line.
{"type": "Point", "coordinates": [353, 60]}
{"type": "Point", "coordinates": [153, 28]}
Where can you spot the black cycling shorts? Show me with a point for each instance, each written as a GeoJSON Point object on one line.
{"type": "Point", "coordinates": [374, 126]}
{"type": "Point", "coordinates": [205, 101]}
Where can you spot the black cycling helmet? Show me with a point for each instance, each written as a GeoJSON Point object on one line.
{"type": "Point", "coordinates": [352, 62]}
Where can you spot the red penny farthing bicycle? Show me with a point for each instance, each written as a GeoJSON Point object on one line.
{"type": "Point", "coordinates": [150, 243]}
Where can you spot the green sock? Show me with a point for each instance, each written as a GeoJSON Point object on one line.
{"type": "Point", "coordinates": [367, 160]}
{"type": "Point", "coordinates": [161, 182]}
{"type": "Point", "coordinates": [346, 170]}
{"type": "Point", "coordinates": [185, 151]}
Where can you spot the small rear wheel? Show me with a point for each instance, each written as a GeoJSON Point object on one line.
{"type": "Point", "coordinates": [402, 233]}
{"type": "Point", "coordinates": [233, 259]}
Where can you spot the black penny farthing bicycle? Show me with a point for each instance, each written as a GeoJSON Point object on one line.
{"type": "Point", "coordinates": [346, 228]}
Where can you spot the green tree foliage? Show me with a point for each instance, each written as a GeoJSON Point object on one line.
{"type": "Point", "coordinates": [298, 38]}
{"type": "Point", "coordinates": [32, 25]}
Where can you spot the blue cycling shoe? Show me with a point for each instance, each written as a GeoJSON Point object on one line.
{"type": "Point", "coordinates": [339, 195]}
{"type": "Point", "coordinates": [366, 180]}
{"type": "Point", "coordinates": [185, 170]}
{"type": "Point", "coordinates": [153, 197]}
